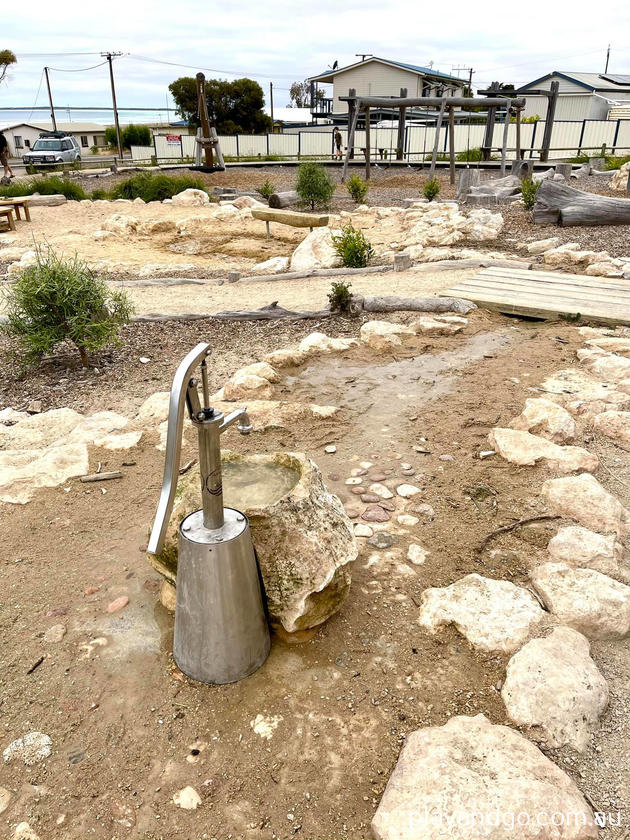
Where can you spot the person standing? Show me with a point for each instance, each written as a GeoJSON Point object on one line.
{"type": "Point", "coordinates": [4, 157]}
{"type": "Point", "coordinates": [338, 142]}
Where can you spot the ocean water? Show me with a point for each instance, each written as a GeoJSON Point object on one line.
{"type": "Point", "coordinates": [100, 116]}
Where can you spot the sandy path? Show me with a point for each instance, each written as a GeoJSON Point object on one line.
{"type": "Point", "coordinates": [309, 293]}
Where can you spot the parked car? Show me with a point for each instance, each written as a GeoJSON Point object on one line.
{"type": "Point", "coordinates": [53, 147]}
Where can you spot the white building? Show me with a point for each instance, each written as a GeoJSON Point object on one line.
{"type": "Point", "coordinates": [582, 96]}
{"type": "Point", "coordinates": [381, 77]}
{"type": "Point", "coordinates": [21, 136]}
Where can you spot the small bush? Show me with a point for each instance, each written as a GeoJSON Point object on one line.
{"type": "Point", "coordinates": [48, 185]}
{"type": "Point", "coordinates": [431, 189]}
{"type": "Point", "coordinates": [266, 190]}
{"type": "Point", "coordinates": [57, 300]}
{"type": "Point", "coordinates": [155, 187]}
{"type": "Point", "coordinates": [314, 186]}
{"type": "Point", "coordinates": [98, 193]}
{"type": "Point", "coordinates": [469, 155]}
{"type": "Point", "coordinates": [529, 189]}
{"type": "Point", "coordinates": [357, 188]}
{"type": "Point", "coordinates": [353, 248]}
{"type": "Point", "coordinates": [340, 296]}
{"type": "Point", "coordinates": [93, 150]}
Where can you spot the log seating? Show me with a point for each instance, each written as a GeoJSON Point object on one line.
{"type": "Point", "coordinates": [289, 217]}
{"type": "Point", "coordinates": [16, 204]}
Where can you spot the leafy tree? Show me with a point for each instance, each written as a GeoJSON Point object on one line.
{"type": "Point", "coordinates": [110, 136]}
{"type": "Point", "coordinates": [59, 300]}
{"type": "Point", "coordinates": [236, 107]}
{"type": "Point", "coordinates": [300, 95]}
{"type": "Point", "coordinates": [7, 58]}
{"type": "Point", "coordinates": [314, 186]}
{"type": "Point", "coordinates": [131, 135]}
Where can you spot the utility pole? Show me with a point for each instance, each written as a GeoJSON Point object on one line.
{"type": "Point", "coordinates": [607, 58]}
{"type": "Point", "coordinates": [470, 75]}
{"type": "Point", "coordinates": [271, 102]}
{"type": "Point", "coordinates": [52, 107]}
{"type": "Point", "coordinates": [109, 56]}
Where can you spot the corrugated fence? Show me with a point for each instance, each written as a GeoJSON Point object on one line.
{"type": "Point", "coordinates": [567, 137]}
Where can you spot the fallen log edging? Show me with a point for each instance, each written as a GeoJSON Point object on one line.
{"type": "Point", "coordinates": [559, 204]}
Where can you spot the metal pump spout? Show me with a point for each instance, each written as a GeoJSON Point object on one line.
{"type": "Point", "coordinates": [210, 424]}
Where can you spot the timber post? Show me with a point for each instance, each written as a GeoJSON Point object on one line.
{"type": "Point", "coordinates": [400, 140]}
{"type": "Point", "coordinates": [451, 142]}
{"type": "Point", "coordinates": [551, 113]}
{"type": "Point", "coordinates": [353, 116]}
{"type": "Point", "coordinates": [367, 143]}
{"type": "Point", "coordinates": [438, 126]}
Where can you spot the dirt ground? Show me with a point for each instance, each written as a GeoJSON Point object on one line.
{"type": "Point", "coordinates": [128, 730]}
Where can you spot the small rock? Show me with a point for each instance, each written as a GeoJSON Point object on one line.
{"type": "Point", "coordinates": [31, 749]}
{"type": "Point", "coordinates": [5, 798]}
{"type": "Point", "coordinates": [118, 604]}
{"type": "Point", "coordinates": [330, 449]}
{"type": "Point", "coordinates": [580, 547]}
{"type": "Point", "coordinates": [446, 458]}
{"type": "Point", "coordinates": [381, 491]}
{"type": "Point", "coordinates": [408, 472]}
{"type": "Point", "coordinates": [525, 449]}
{"type": "Point", "coordinates": [354, 480]}
{"type": "Point", "coordinates": [382, 540]}
{"type": "Point", "coordinates": [378, 476]}
{"type": "Point", "coordinates": [34, 407]}
{"type": "Point", "coordinates": [91, 590]}
{"type": "Point", "coordinates": [416, 554]}
{"type": "Point", "coordinates": [424, 511]}
{"type": "Point", "coordinates": [362, 530]}
{"type": "Point", "coordinates": [375, 513]}
{"type": "Point", "coordinates": [407, 519]}
{"type": "Point", "coordinates": [369, 498]}
{"type": "Point", "coordinates": [407, 490]}
{"type": "Point", "coordinates": [23, 831]}
{"type": "Point", "coordinates": [547, 419]}
{"type": "Point", "coordinates": [55, 633]}
{"type": "Point", "coordinates": [187, 798]}
{"type": "Point", "coordinates": [359, 491]}
{"type": "Point", "coordinates": [584, 499]}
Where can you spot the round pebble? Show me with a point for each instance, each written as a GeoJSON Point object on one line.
{"type": "Point", "coordinates": [330, 449]}
{"type": "Point", "coordinates": [375, 513]}
{"type": "Point", "coordinates": [354, 480]}
{"type": "Point", "coordinates": [382, 540]}
{"type": "Point", "coordinates": [362, 530]}
{"type": "Point", "coordinates": [407, 490]}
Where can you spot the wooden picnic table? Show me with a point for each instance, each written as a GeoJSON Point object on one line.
{"type": "Point", "coordinates": [7, 212]}
{"type": "Point", "coordinates": [16, 204]}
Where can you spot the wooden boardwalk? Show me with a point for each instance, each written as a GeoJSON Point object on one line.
{"type": "Point", "coordinates": [547, 294]}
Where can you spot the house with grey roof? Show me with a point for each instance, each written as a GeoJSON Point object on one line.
{"type": "Point", "coordinates": [581, 96]}
{"type": "Point", "coordinates": [374, 76]}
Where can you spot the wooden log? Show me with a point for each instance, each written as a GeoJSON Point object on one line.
{"type": "Point", "coordinates": [564, 205]}
{"type": "Point", "coordinates": [290, 217]}
{"type": "Point", "coordinates": [272, 312]}
{"type": "Point", "coordinates": [522, 168]}
{"type": "Point", "coordinates": [451, 144]}
{"type": "Point", "coordinates": [506, 128]}
{"type": "Point", "coordinates": [467, 179]}
{"type": "Point", "coordinates": [353, 117]}
{"type": "Point", "coordinates": [367, 144]}
{"type": "Point", "coordinates": [283, 199]}
{"type": "Point", "coordinates": [435, 304]}
{"type": "Point", "coordinates": [103, 476]}
{"type": "Point", "coordinates": [436, 142]}
{"type": "Point", "coordinates": [564, 169]}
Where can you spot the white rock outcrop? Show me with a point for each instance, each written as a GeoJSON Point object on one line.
{"type": "Point", "coordinates": [191, 198]}
{"type": "Point", "coordinates": [494, 615]}
{"type": "Point", "coordinates": [152, 226]}
{"type": "Point", "coordinates": [446, 324]}
{"type": "Point", "coordinates": [607, 366]}
{"type": "Point", "coordinates": [317, 344]}
{"type": "Point", "coordinates": [119, 223]}
{"type": "Point", "coordinates": [615, 425]}
{"type": "Point", "coordinates": [555, 691]}
{"type": "Point", "coordinates": [584, 499]}
{"type": "Point", "coordinates": [525, 449]}
{"type": "Point", "coordinates": [584, 599]}
{"type": "Point", "coordinates": [471, 779]}
{"type": "Point", "coordinates": [316, 250]}
{"type": "Point", "coordinates": [619, 180]}
{"type": "Point", "coordinates": [547, 419]}
{"type": "Point", "coordinates": [382, 335]}
{"type": "Point", "coordinates": [580, 547]}
{"type": "Point", "coordinates": [542, 245]}
{"type": "Point", "coordinates": [275, 265]}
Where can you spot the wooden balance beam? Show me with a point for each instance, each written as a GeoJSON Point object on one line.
{"type": "Point", "coordinates": [289, 217]}
{"type": "Point", "coordinates": [7, 213]}
{"type": "Point", "coordinates": [16, 204]}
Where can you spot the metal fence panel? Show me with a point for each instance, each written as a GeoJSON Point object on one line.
{"type": "Point", "coordinates": [252, 145]}
{"type": "Point", "coordinates": [597, 132]}
{"type": "Point", "coordinates": [142, 152]}
{"type": "Point", "coordinates": [285, 145]}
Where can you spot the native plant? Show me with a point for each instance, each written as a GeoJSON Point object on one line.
{"type": "Point", "coordinates": [340, 296]}
{"type": "Point", "coordinates": [266, 190]}
{"type": "Point", "coordinates": [357, 188]}
{"type": "Point", "coordinates": [529, 189]}
{"type": "Point", "coordinates": [59, 299]}
{"type": "Point", "coordinates": [353, 248]}
{"type": "Point", "coordinates": [46, 185]}
{"type": "Point", "coordinates": [314, 186]}
{"type": "Point", "coordinates": [155, 186]}
{"type": "Point", "coordinates": [431, 189]}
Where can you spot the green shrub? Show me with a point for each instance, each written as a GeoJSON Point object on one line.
{"type": "Point", "coordinates": [357, 188]}
{"type": "Point", "coordinates": [529, 189]}
{"type": "Point", "coordinates": [56, 300]}
{"type": "Point", "coordinates": [469, 155]}
{"type": "Point", "coordinates": [314, 186]}
{"type": "Point", "coordinates": [136, 135]}
{"type": "Point", "coordinates": [155, 186]}
{"type": "Point", "coordinates": [353, 248]}
{"type": "Point", "coordinates": [266, 190]}
{"type": "Point", "coordinates": [431, 189]}
{"type": "Point", "coordinates": [98, 193]}
{"type": "Point", "coordinates": [613, 162]}
{"type": "Point", "coordinates": [48, 185]}
{"type": "Point", "coordinates": [94, 150]}
{"type": "Point", "coordinates": [340, 296]}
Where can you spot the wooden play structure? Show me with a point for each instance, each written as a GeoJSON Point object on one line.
{"type": "Point", "coordinates": [289, 217]}
{"type": "Point", "coordinates": [361, 105]}
{"type": "Point", "coordinates": [207, 137]}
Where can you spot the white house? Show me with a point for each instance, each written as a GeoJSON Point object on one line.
{"type": "Point", "coordinates": [21, 136]}
{"type": "Point", "coordinates": [381, 77]}
{"type": "Point", "coordinates": [581, 96]}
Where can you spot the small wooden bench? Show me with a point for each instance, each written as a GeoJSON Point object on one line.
{"type": "Point", "coordinates": [16, 204]}
{"type": "Point", "coordinates": [289, 217]}
{"type": "Point", "coordinates": [8, 221]}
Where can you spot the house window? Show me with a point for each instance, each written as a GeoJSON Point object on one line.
{"type": "Point", "coordinates": [18, 141]}
{"type": "Point", "coordinates": [27, 143]}
{"type": "Point", "coordinates": [426, 89]}
{"type": "Point", "coordinates": [95, 139]}
{"type": "Point", "coordinates": [84, 141]}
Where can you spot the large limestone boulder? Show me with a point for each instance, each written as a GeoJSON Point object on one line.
{"type": "Point", "coordinates": [22, 472]}
{"type": "Point", "coordinates": [584, 499]}
{"type": "Point", "coordinates": [542, 245]}
{"type": "Point", "coordinates": [615, 425]}
{"type": "Point", "coordinates": [191, 198]}
{"type": "Point", "coordinates": [152, 226]}
{"type": "Point", "coordinates": [554, 689]}
{"type": "Point", "coordinates": [316, 250]}
{"type": "Point", "coordinates": [383, 335]}
{"type": "Point", "coordinates": [547, 419]}
{"type": "Point", "coordinates": [119, 223]}
{"type": "Point", "coordinates": [494, 615]}
{"type": "Point", "coordinates": [446, 324]}
{"type": "Point", "coordinates": [253, 380]}
{"type": "Point", "coordinates": [607, 366]}
{"type": "Point", "coordinates": [275, 265]}
{"type": "Point", "coordinates": [37, 431]}
{"type": "Point", "coordinates": [580, 547]}
{"type": "Point", "coordinates": [586, 600]}
{"type": "Point", "coordinates": [525, 449]}
{"type": "Point", "coordinates": [619, 180]}
{"type": "Point", "coordinates": [317, 344]}
{"type": "Point", "coordinates": [304, 541]}
{"type": "Point", "coordinates": [612, 344]}
{"type": "Point", "coordinates": [470, 779]}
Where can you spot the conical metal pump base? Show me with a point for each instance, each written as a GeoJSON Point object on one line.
{"type": "Point", "coordinates": [221, 631]}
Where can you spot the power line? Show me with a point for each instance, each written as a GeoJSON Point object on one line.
{"type": "Point", "coordinates": [209, 69]}
{"type": "Point", "coordinates": [78, 70]}
{"type": "Point", "coordinates": [41, 79]}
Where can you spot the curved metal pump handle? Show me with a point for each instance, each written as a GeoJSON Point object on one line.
{"type": "Point", "coordinates": [175, 427]}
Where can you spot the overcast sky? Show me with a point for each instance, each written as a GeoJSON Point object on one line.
{"type": "Point", "coordinates": [281, 41]}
